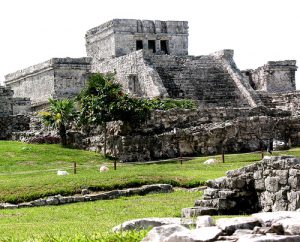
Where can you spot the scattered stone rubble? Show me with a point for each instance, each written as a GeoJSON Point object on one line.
{"type": "Point", "coordinates": [86, 196]}
{"type": "Point", "coordinates": [281, 226]}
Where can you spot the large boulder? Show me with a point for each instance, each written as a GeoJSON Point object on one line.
{"type": "Point", "coordinates": [161, 233]}
{"type": "Point", "coordinates": [204, 234]}
{"type": "Point", "coordinates": [290, 226]}
{"type": "Point", "coordinates": [176, 233]}
{"type": "Point", "coordinates": [229, 225]}
{"type": "Point", "coordinates": [269, 218]}
{"type": "Point", "coordinates": [146, 223]}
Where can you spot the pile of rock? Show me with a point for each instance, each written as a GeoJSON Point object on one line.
{"type": "Point", "coordinates": [260, 227]}
{"type": "Point", "coordinates": [272, 184]}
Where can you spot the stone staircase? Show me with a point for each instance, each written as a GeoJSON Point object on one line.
{"type": "Point", "coordinates": [202, 78]}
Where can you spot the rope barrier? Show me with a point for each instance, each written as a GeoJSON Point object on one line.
{"type": "Point", "coordinates": [69, 168]}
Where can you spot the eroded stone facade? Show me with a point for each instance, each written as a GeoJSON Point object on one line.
{"type": "Point", "coordinates": [274, 77]}
{"type": "Point", "coordinates": [56, 78]}
{"type": "Point", "coordinates": [123, 36]}
{"type": "Point", "coordinates": [150, 59]}
{"type": "Point", "coordinates": [11, 109]}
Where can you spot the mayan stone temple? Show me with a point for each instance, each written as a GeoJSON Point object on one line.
{"type": "Point", "coordinates": [238, 110]}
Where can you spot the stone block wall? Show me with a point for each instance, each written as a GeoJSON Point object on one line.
{"type": "Point", "coordinates": [286, 101]}
{"type": "Point", "coordinates": [272, 184]}
{"type": "Point", "coordinates": [135, 75]}
{"type": "Point", "coordinates": [6, 101]}
{"type": "Point", "coordinates": [56, 78]}
{"type": "Point", "coordinates": [21, 105]}
{"type": "Point", "coordinates": [169, 134]}
{"type": "Point", "coordinates": [9, 122]}
{"type": "Point", "coordinates": [274, 77]}
{"type": "Point", "coordinates": [119, 37]}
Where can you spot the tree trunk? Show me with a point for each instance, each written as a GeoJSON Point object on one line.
{"type": "Point", "coordinates": [105, 137]}
{"type": "Point", "coordinates": [63, 134]}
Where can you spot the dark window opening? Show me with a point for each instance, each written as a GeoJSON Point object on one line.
{"type": "Point", "coordinates": [139, 44]}
{"type": "Point", "coordinates": [151, 45]}
{"type": "Point", "coordinates": [164, 46]}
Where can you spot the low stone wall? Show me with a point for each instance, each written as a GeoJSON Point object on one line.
{"type": "Point", "coordinates": [272, 184]}
{"type": "Point", "coordinates": [170, 134]}
{"type": "Point", "coordinates": [86, 197]}
{"type": "Point", "coordinates": [173, 133]}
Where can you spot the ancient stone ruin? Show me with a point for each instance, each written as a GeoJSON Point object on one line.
{"type": "Point", "coordinates": [237, 110]}
{"type": "Point", "coordinates": [11, 113]}
{"type": "Point", "coordinates": [270, 185]}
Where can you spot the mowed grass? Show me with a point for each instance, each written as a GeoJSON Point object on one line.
{"type": "Point", "coordinates": [28, 171]}
{"type": "Point", "coordinates": [89, 221]}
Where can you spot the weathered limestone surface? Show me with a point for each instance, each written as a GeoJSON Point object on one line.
{"type": "Point", "coordinates": [146, 223]}
{"type": "Point", "coordinates": [248, 94]}
{"type": "Point", "coordinates": [274, 77]}
{"type": "Point", "coordinates": [6, 101]}
{"type": "Point", "coordinates": [272, 184]}
{"type": "Point", "coordinates": [150, 59]}
{"type": "Point", "coordinates": [285, 101]}
{"type": "Point", "coordinates": [213, 80]}
{"type": "Point", "coordinates": [21, 105]}
{"type": "Point", "coordinates": [138, 79]}
{"type": "Point", "coordinates": [10, 108]}
{"type": "Point", "coordinates": [239, 229]}
{"type": "Point", "coordinates": [204, 78]}
{"type": "Point", "coordinates": [11, 124]}
{"type": "Point", "coordinates": [174, 133]}
{"type": "Point", "coordinates": [118, 37]}
{"type": "Point", "coordinates": [55, 78]}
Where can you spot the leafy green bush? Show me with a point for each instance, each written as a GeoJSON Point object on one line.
{"type": "Point", "coordinates": [102, 100]}
{"type": "Point", "coordinates": [168, 103]}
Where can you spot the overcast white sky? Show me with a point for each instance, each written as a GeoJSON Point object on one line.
{"type": "Point", "coordinates": [33, 31]}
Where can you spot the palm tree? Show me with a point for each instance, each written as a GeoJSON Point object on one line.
{"type": "Point", "coordinates": [60, 114]}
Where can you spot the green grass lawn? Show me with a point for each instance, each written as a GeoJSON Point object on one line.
{"type": "Point", "coordinates": [29, 171]}
{"type": "Point", "coordinates": [90, 220]}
